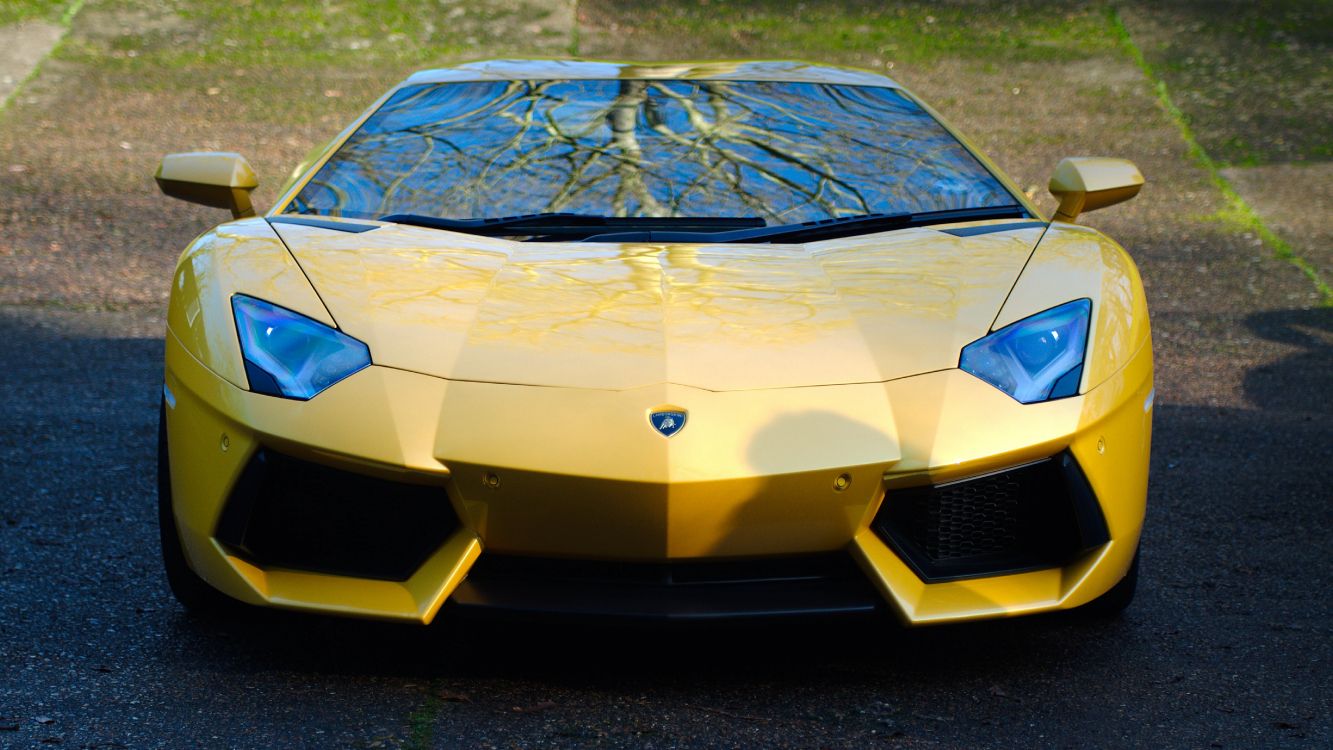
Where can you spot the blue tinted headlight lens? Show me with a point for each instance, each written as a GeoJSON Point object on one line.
{"type": "Point", "coordinates": [290, 355]}
{"type": "Point", "coordinates": [1036, 359]}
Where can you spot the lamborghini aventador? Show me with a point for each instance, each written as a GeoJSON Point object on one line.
{"type": "Point", "coordinates": [664, 341]}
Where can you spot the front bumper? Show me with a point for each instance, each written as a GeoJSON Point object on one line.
{"type": "Point", "coordinates": [553, 473]}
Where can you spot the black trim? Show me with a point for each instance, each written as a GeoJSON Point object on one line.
{"type": "Point", "coordinates": [1092, 529]}
{"type": "Point", "coordinates": [1067, 385]}
{"type": "Point", "coordinates": [285, 512]}
{"type": "Point", "coordinates": [575, 226]}
{"type": "Point", "coordinates": [337, 226]}
{"type": "Point", "coordinates": [1030, 517]}
{"type": "Point", "coordinates": [708, 230]}
{"type": "Point", "coordinates": [240, 507]}
{"type": "Point", "coordinates": [809, 585]}
{"type": "Point", "coordinates": [822, 229]}
{"type": "Point", "coordinates": [262, 381]}
{"type": "Point", "coordinates": [989, 228]}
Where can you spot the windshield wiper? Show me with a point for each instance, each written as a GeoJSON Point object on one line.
{"type": "Point", "coordinates": [823, 229]}
{"type": "Point", "coordinates": [577, 226]}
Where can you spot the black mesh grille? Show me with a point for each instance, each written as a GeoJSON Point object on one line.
{"type": "Point", "coordinates": [289, 513]}
{"type": "Point", "coordinates": [982, 517]}
{"type": "Point", "coordinates": [1036, 516]}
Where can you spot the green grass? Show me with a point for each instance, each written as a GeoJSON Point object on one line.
{"type": "Point", "coordinates": [13, 11]}
{"type": "Point", "coordinates": [1236, 212]}
{"type": "Point", "coordinates": [421, 724]}
{"type": "Point", "coordinates": [914, 32]}
{"type": "Point", "coordinates": [60, 13]}
{"type": "Point", "coordinates": [1251, 78]}
{"type": "Point", "coordinates": [315, 35]}
{"type": "Point", "coordinates": [292, 63]}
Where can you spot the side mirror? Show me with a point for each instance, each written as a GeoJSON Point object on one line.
{"type": "Point", "coordinates": [1087, 183]}
{"type": "Point", "coordinates": [217, 179]}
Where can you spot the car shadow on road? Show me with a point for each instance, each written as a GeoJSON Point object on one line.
{"type": "Point", "coordinates": [577, 653]}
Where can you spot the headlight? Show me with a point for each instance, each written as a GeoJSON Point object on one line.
{"type": "Point", "coordinates": [1039, 358]}
{"type": "Point", "coordinates": [290, 355]}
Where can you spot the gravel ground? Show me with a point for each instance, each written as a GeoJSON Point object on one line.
{"type": "Point", "coordinates": [1227, 645]}
{"type": "Point", "coordinates": [1296, 200]}
{"type": "Point", "coordinates": [22, 46]}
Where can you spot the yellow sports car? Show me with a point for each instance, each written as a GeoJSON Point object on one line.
{"type": "Point", "coordinates": [664, 340]}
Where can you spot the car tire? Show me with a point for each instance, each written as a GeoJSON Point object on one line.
{"type": "Point", "coordinates": [189, 589]}
{"type": "Point", "coordinates": [1113, 602]}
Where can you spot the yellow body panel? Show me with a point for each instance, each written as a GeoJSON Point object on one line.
{"type": "Point", "coordinates": [1074, 262]}
{"type": "Point", "coordinates": [718, 317]}
{"type": "Point", "coordinates": [218, 179]}
{"type": "Point", "coordinates": [756, 478]}
{"type": "Point", "coordinates": [1087, 183]}
{"type": "Point", "coordinates": [242, 257]}
{"type": "Point", "coordinates": [518, 377]}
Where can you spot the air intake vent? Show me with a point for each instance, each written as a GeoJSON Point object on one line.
{"type": "Point", "coordinates": [1040, 515]}
{"type": "Point", "coordinates": [289, 513]}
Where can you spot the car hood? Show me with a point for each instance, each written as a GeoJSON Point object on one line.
{"type": "Point", "coordinates": [620, 316]}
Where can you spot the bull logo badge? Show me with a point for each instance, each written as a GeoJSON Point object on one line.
{"type": "Point", "coordinates": [667, 421]}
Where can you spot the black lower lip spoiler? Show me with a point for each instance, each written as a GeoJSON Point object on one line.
{"type": "Point", "coordinates": [811, 587]}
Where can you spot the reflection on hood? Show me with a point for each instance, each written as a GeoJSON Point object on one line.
{"type": "Point", "coordinates": [615, 316]}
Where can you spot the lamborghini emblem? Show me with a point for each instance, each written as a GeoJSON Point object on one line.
{"type": "Point", "coordinates": [667, 421]}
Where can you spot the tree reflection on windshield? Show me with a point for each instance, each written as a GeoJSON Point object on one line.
{"type": "Point", "coordinates": [787, 152]}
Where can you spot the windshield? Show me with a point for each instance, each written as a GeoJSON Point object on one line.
{"type": "Point", "coordinates": [781, 151]}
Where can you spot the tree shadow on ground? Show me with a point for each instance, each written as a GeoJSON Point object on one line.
{"type": "Point", "coordinates": [1302, 381]}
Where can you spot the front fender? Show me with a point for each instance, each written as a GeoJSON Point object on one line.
{"type": "Point", "coordinates": [245, 257]}
{"type": "Point", "coordinates": [1072, 262]}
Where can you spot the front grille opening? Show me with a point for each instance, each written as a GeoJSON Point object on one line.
{"type": "Point", "coordinates": [781, 570]}
{"type": "Point", "coordinates": [295, 514]}
{"type": "Point", "coordinates": [827, 584]}
{"type": "Point", "coordinates": [1041, 515]}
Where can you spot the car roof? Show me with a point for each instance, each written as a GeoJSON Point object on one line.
{"type": "Point", "coordinates": [724, 70]}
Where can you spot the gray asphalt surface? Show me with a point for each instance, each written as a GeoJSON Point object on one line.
{"type": "Point", "coordinates": [1227, 644]}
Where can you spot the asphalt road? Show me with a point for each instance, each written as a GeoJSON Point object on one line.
{"type": "Point", "coordinates": [1227, 644]}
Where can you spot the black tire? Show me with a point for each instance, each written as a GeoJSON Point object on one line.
{"type": "Point", "coordinates": [188, 588]}
{"type": "Point", "coordinates": [1113, 602]}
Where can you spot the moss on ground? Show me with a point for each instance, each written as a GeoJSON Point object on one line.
{"type": "Point", "coordinates": [872, 34]}
{"type": "Point", "coordinates": [1251, 78]}
{"type": "Point", "coordinates": [13, 11]}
